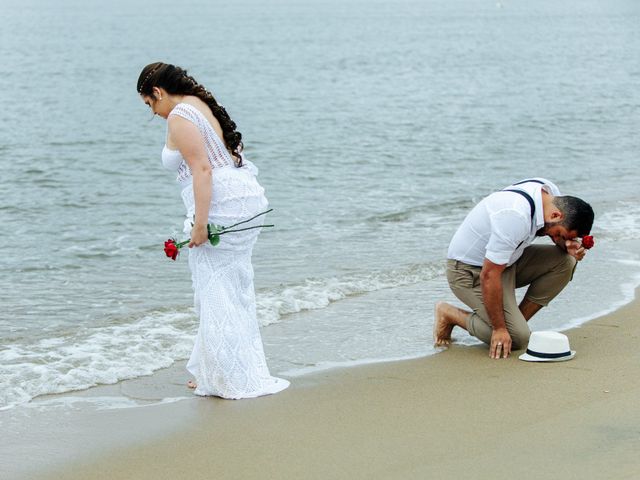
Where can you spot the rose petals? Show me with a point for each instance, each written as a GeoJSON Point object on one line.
{"type": "Point", "coordinates": [588, 241]}
{"type": "Point", "coordinates": [170, 249]}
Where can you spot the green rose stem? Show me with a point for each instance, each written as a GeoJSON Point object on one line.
{"type": "Point", "coordinates": [242, 229]}
{"type": "Point", "coordinates": [182, 244]}
{"type": "Point", "coordinates": [214, 231]}
{"type": "Point", "coordinates": [247, 221]}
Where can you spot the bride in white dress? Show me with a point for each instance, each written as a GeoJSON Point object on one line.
{"type": "Point", "coordinates": [218, 186]}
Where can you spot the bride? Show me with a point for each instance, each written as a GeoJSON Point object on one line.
{"type": "Point", "coordinates": [218, 186]}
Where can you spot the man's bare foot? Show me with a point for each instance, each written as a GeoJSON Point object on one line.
{"type": "Point", "coordinates": [445, 318]}
{"type": "Point", "coordinates": [441, 327]}
{"type": "Point", "coordinates": [191, 384]}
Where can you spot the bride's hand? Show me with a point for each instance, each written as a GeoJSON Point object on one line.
{"type": "Point", "coordinates": [199, 235]}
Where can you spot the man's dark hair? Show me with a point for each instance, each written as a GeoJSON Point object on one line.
{"type": "Point", "coordinates": [578, 214]}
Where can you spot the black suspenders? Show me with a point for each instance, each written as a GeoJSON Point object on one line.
{"type": "Point", "coordinates": [525, 194]}
{"type": "Point", "coordinates": [528, 197]}
{"type": "Point", "coordinates": [530, 181]}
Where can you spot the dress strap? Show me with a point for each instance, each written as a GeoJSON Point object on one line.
{"type": "Point", "coordinates": [216, 151]}
{"type": "Point", "coordinates": [188, 112]}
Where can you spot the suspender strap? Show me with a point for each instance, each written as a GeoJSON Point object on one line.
{"type": "Point", "coordinates": [532, 204]}
{"type": "Point", "coordinates": [525, 195]}
{"type": "Point", "coordinates": [530, 181]}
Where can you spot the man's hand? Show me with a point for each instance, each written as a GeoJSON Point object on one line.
{"type": "Point", "coordinates": [575, 249]}
{"type": "Point", "coordinates": [500, 343]}
{"type": "Point", "coordinates": [491, 281]}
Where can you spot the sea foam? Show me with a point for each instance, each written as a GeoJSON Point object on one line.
{"type": "Point", "coordinates": [133, 347]}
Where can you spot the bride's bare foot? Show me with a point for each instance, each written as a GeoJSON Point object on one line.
{"type": "Point", "coordinates": [445, 318]}
{"type": "Point", "coordinates": [191, 384]}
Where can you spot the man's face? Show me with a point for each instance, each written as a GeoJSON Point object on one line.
{"type": "Point", "coordinates": [558, 233]}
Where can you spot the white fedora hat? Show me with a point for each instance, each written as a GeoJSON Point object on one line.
{"type": "Point", "coordinates": [548, 347]}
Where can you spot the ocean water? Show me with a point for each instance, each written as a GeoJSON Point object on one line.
{"type": "Point", "coordinates": [376, 125]}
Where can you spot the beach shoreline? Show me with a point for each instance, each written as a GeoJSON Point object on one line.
{"type": "Point", "coordinates": [376, 128]}
{"type": "Point", "coordinates": [432, 417]}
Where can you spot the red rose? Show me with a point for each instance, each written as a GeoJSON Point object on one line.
{"type": "Point", "coordinates": [171, 249]}
{"type": "Point", "coordinates": [588, 242]}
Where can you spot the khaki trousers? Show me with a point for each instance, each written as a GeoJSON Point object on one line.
{"type": "Point", "coordinates": [546, 269]}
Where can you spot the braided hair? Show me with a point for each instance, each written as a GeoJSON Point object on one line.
{"type": "Point", "coordinates": [176, 81]}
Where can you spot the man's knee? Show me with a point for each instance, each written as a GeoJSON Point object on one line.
{"type": "Point", "coordinates": [520, 338]}
{"type": "Point", "coordinates": [566, 266]}
{"type": "Point", "coordinates": [568, 263]}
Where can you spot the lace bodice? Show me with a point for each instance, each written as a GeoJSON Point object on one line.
{"type": "Point", "coordinates": [216, 151]}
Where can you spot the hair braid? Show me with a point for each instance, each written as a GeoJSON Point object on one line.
{"type": "Point", "coordinates": [176, 81]}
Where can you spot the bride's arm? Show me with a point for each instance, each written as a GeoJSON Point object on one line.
{"type": "Point", "coordinates": [187, 138]}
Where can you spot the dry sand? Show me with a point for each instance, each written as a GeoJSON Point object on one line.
{"type": "Point", "coordinates": [455, 415]}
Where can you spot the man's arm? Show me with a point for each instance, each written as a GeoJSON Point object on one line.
{"type": "Point", "coordinates": [492, 295]}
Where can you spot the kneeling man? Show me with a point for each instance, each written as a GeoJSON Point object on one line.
{"type": "Point", "coordinates": [491, 255]}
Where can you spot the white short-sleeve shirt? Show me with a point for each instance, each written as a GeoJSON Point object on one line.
{"type": "Point", "coordinates": [500, 227]}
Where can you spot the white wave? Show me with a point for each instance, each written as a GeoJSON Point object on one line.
{"type": "Point", "coordinates": [324, 366]}
{"type": "Point", "coordinates": [318, 293]}
{"type": "Point", "coordinates": [628, 293]}
{"type": "Point", "coordinates": [108, 354]}
{"type": "Point", "coordinates": [98, 402]}
{"type": "Point", "coordinates": [103, 355]}
{"type": "Point", "coordinates": [622, 223]}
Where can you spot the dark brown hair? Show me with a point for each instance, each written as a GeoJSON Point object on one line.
{"type": "Point", "coordinates": [578, 214]}
{"type": "Point", "coordinates": [176, 81]}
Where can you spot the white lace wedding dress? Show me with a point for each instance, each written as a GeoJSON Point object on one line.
{"type": "Point", "coordinates": [228, 358]}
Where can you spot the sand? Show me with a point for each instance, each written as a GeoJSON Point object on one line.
{"type": "Point", "coordinates": [457, 414]}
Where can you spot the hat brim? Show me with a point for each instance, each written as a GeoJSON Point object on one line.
{"type": "Point", "coordinates": [530, 358]}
